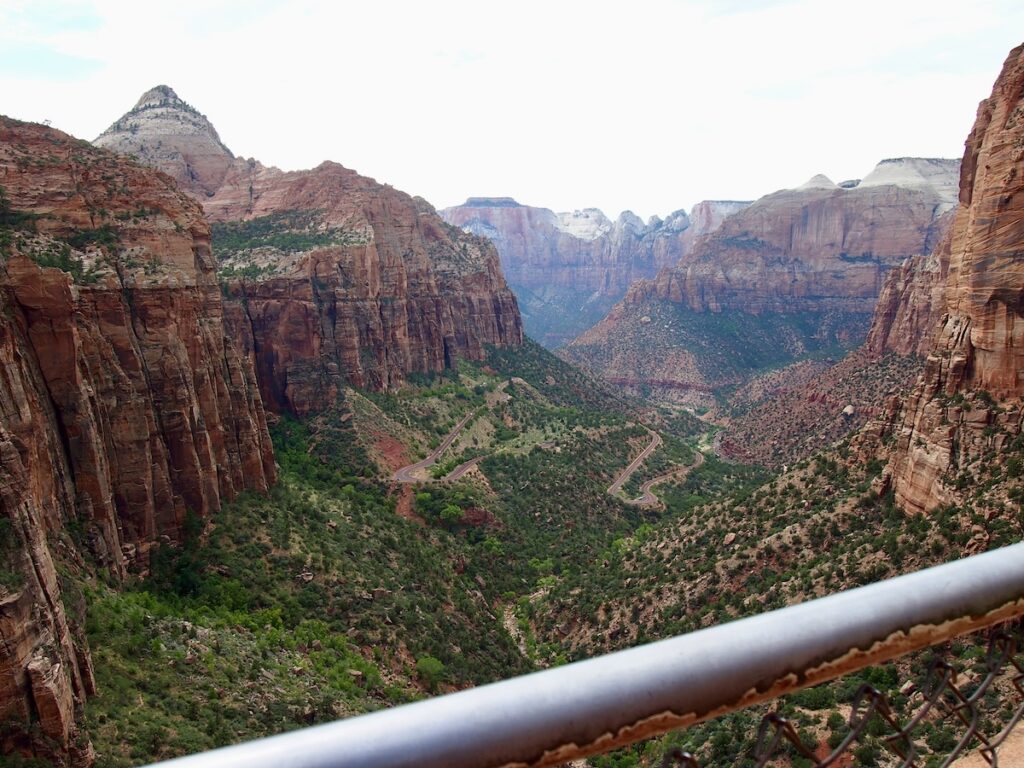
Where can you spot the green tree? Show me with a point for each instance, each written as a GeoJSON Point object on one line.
{"type": "Point", "coordinates": [431, 672]}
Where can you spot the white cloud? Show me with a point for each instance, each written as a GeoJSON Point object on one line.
{"type": "Point", "coordinates": [649, 106]}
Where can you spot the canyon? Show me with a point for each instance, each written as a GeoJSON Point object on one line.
{"type": "Point", "coordinates": [136, 381]}
{"type": "Point", "coordinates": [568, 269]}
{"type": "Point", "coordinates": [209, 363]}
{"type": "Point", "coordinates": [797, 272]}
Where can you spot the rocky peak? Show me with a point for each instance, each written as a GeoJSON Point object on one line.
{"type": "Point", "coordinates": [587, 224]}
{"type": "Point", "coordinates": [165, 132]}
{"type": "Point", "coordinates": [161, 95]}
{"type": "Point", "coordinates": [677, 221]}
{"type": "Point", "coordinates": [819, 181]}
{"type": "Point", "coordinates": [936, 175]}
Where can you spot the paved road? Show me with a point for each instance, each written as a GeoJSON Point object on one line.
{"type": "Point", "coordinates": [409, 474]}
{"type": "Point", "coordinates": [647, 498]}
{"type": "Point", "coordinates": [625, 474]}
{"type": "Point", "coordinates": [463, 468]}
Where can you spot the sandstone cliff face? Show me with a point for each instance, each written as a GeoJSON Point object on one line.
{"type": "Point", "coordinates": [581, 250]}
{"type": "Point", "coordinates": [979, 342]}
{"type": "Point", "coordinates": [818, 246]}
{"type": "Point", "coordinates": [913, 299]}
{"type": "Point", "coordinates": [165, 132]}
{"type": "Point", "coordinates": [565, 266]}
{"type": "Point", "coordinates": [124, 404]}
{"type": "Point", "coordinates": [356, 282]}
{"type": "Point", "coordinates": [797, 271]}
{"type": "Point", "coordinates": [398, 292]}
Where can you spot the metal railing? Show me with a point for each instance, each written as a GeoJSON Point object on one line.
{"type": "Point", "coordinates": [562, 714]}
{"type": "Point", "coordinates": [947, 700]}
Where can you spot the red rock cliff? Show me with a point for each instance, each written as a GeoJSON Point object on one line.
{"type": "Point", "coordinates": [819, 246]}
{"type": "Point", "coordinates": [564, 267]}
{"type": "Point", "coordinates": [400, 291]}
{"type": "Point", "coordinates": [123, 406]}
{"type": "Point", "coordinates": [912, 300]}
{"type": "Point", "coordinates": [392, 291]}
{"type": "Point", "coordinates": [979, 340]}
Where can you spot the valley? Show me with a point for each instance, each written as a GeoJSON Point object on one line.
{"type": "Point", "coordinates": [279, 448]}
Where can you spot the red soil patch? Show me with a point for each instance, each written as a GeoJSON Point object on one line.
{"type": "Point", "coordinates": [403, 506]}
{"type": "Point", "coordinates": [392, 452]}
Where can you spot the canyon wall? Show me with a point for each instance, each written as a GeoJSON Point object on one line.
{"type": "Point", "coordinates": [968, 402]}
{"type": "Point", "coordinates": [567, 269]}
{"type": "Point", "coordinates": [817, 246]}
{"type": "Point", "coordinates": [337, 278]}
{"type": "Point", "coordinates": [797, 272]}
{"type": "Point", "coordinates": [124, 405]}
{"type": "Point", "coordinates": [399, 291]}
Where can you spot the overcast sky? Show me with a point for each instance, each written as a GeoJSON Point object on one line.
{"type": "Point", "coordinates": [648, 105]}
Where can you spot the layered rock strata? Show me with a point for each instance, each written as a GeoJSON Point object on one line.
{"type": "Point", "coordinates": [124, 405]}
{"type": "Point", "coordinates": [804, 265]}
{"type": "Point", "coordinates": [564, 266]}
{"type": "Point", "coordinates": [163, 131]}
{"type": "Point", "coordinates": [912, 301]}
{"type": "Point", "coordinates": [819, 246]}
{"type": "Point", "coordinates": [968, 402]}
{"type": "Point", "coordinates": [356, 282]}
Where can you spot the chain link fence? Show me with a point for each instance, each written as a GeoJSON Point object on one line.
{"type": "Point", "coordinates": [973, 709]}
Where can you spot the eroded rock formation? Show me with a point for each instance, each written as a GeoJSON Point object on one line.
{"type": "Point", "coordinates": [969, 399]}
{"type": "Point", "coordinates": [124, 405]}
{"type": "Point", "coordinates": [337, 278]}
{"type": "Point", "coordinates": [804, 266]}
{"type": "Point", "coordinates": [817, 246]}
{"type": "Point", "coordinates": [165, 132]}
{"type": "Point", "coordinates": [567, 269]}
{"type": "Point", "coordinates": [912, 301]}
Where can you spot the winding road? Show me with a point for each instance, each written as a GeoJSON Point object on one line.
{"type": "Point", "coordinates": [409, 474]}
{"type": "Point", "coordinates": [624, 475]}
{"type": "Point", "coordinates": [647, 498]}
{"type": "Point", "coordinates": [412, 473]}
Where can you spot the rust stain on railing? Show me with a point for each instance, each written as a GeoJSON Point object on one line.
{"type": "Point", "coordinates": [895, 645]}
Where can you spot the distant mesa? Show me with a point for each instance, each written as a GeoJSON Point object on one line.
{"type": "Point", "coordinates": [491, 202]}
{"type": "Point", "coordinates": [938, 175]}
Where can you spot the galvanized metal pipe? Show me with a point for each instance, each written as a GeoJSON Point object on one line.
{"type": "Point", "coordinates": [560, 714]}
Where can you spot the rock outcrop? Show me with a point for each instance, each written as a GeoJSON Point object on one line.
{"type": "Point", "coordinates": [805, 266]}
{"type": "Point", "coordinates": [124, 405]}
{"type": "Point", "coordinates": [816, 246]}
{"type": "Point", "coordinates": [336, 278]}
{"type": "Point", "coordinates": [912, 301]}
{"type": "Point", "coordinates": [163, 131]}
{"type": "Point", "coordinates": [567, 269]}
{"type": "Point", "coordinates": [399, 292]}
{"type": "Point", "coordinates": [968, 402]}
